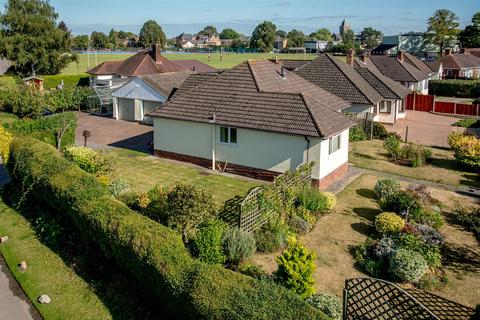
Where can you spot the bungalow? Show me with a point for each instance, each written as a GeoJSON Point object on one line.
{"type": "Point", "coordinates": [143, 94]}
{"type": "Point", "coordinates": [463, 65]}
{"type": "Point", "coordinates": [256, 119]}
{"type": "Point", "coordinates": [143, 63]}
{"type": "Point", "coordinates": [366, 90]}
{"type": "Point", "coordinates": [402, 68]}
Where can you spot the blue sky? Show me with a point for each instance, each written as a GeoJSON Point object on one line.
{"type": "Point", "coordinates": [391, 17]}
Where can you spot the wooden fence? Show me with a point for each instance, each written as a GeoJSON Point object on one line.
{"type": "Point", "coordinates": [428, 103]}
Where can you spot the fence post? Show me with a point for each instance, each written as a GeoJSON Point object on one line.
{"type": "Point", "coordinates": [455, 108]}
{"type": "Point", "coordinates": [477, 109]}
{"type": "Point", "coordinates": [434, 101]}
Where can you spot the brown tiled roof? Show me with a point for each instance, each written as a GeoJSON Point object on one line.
{"type": "Point", "coordinates": [419, 64]}
{"type": "Point", "coordinates": [291, 65]}
{"type": "Point", "coordinates": [395, 69]}
{"type": "Point", "coordinates": [388, 88]}
{"type": "Point", "coordinates": [254, 95]}
{"type": "Point", "coordinates": [460, 61]}
{"type": "Point", "coordinates": [339, 78]}
{"type": "Point", "coordinates": [143, 63]}
{"type": "Point", "coordinates": [164, 83]}
{"type": "Point", "coordinates": [474, 51]}
{"type": "Point", "coordinates": [196, 66]}
{"type": "Point", "coordinates": [193, 81]}
{"type": "Point", "coordinates": [433, 65]}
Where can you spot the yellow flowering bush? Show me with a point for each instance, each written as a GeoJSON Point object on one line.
{"type": "Point", "coordinates": [330, 201]}
{"type": "Point", "coordinates": [466, 148]}
{"type": "Point", "coordinates": [6, 139]}
{"type": "Point", "coordinates": [389, 222]}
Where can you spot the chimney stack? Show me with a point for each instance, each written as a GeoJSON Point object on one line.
{"type": "Point", "coordinates": [363, 57]}
{"type": "Point", "coordinates": [447, 52]}
{"type": "Point", "coordinates": [350, 57]}
{"type": "Point", "coordinates": [463, 51]}
{"type": "Point", "coordinates": [156, 53]}
{"type": "Point", "coordinates": [400, 56]}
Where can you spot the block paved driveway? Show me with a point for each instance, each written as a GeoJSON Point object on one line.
{"type": "Point", "coordinates": [106, 131]}
{"type": "Point", "coordinates": [426, 128]}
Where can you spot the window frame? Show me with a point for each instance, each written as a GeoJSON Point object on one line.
{"type": "Point", "coordinates": [380, 107]}
{"type": "Point", "coordinates": [331, 149]}
{"type": "Point", "coordinates": [229, 131]}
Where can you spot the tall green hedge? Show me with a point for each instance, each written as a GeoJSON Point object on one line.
{"type": "Point", "coordinates": [152, 254]}
{"type": "Point", "coordinates": [455, 88]}
{"type": "Point", "coordinates": [45, 128]}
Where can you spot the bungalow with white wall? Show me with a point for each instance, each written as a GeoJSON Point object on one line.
{"type": "Point", "coordinates": [256, 119]}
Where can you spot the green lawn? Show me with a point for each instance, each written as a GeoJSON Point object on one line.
{"type": "Point", "coordinates": [443, 167]}
{"type": "Point", "coordinates": [143, 173]}
{"type": "Point", "coordinates": [72, 297]}
{"type": "Point", "coordinates": [6, 117]}
{"type": "Point", "coordinates": [228, 60]}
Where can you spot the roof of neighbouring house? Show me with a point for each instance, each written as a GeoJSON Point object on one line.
{"type": "Point", "coordinates": [4, 65]}
{"type": "Point", "coordinates": [384, 47]}
{"type": "Point", "coordinates": [394, 68]}
{"type": "Point", "coordinates": [255, 95]}
{"type": "Point", "coordinates": [291, 65]}
{"type": "Point", "coordinates": [196, 66]}
{"type": "Point", "coordinates": [417, 63]}
{"type": "Point", "coordinates": [164, 83]}
{"type": "Point", "coordinates": [474, 51]}
{"type": "Point", "coordinates": [352, 84]}
{"type": "Point", "coordinates": [143, 63]}
{"type": "Point", "coordinates": [434, 65]}
{"type": "Point", "coordinates": [460, 61]}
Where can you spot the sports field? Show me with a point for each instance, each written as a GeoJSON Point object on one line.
{"type": "Point", "coordinates": [226, 61]}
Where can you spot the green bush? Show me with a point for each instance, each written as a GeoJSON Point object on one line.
{"type": "Point", "coordinates": [238, 245]}
{"type": "Point", "coordinates": [466, 148]}
{"type": "Point", "coordinates": [468, 123]}
{"type": "Point", "coordinates": [296, 266]}
{"type": "Point", "coordinates": [306, 215]}
{"type": "Point", "coordinates": [389, 222]}
{"type": "Point", "coordinates": [312, 199]}
{"type": "Point", "coordinates": [429, 217]}
{"type": "Point", "coordinates": [379, 131]}
{"type": "Point", "coordinates": [157, 206]}
{"type": "Point", "coordinates": [129, 198]}
{"type": "Point", "coordinates": [83, 157]}
{"type": "Point", "coordinates": [118, 186]}
{"type": "Point", "coordinates": [208, 242]}
{"type": "Point", "coordinates": [153, 255]}
{"type": "Point", "coordinates": [328, 304]}
{"type": "Point", "coordinates": [454, 88]}
{"type": "Point", "coordinates": [253, 270]}
{"type": "Point", "coordinates": [357, 134]}
{"type": "Point", "coordinates": [370, 263]}
{"type": "Point", "coordinates": [46, 128]}
{"type": "Point", "coordinates": [270, 237]}
{"type": "Point", "coordinates": [408, 266]}
{"type": "Point", "coordinates": [415, 154]}
{"type": "Point", "coordinates": [392, 146]}
{"type": "Point", "coordinates": [469, 217]}
{"type": "Point", "coordinates": [402, 203]}
{"type": "Point", "coordinates": [188, 207]}
{"type": "Point", "coordinates": [299, 225]}
{"type": "Point", "coordinates": [386, 188]}
{"type": "Point", "coordinates": [431, 253]}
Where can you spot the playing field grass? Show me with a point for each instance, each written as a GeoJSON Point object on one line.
{"type": "Point", "coordinates": [225, 62]}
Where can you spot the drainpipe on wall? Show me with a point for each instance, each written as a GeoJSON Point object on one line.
{"type": "Point", "coordinates": [213, 121]}
{"type": "Point", "coordinates": [308, 148]}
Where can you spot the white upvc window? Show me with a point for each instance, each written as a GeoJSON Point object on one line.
{"type": "Point", "coordinates": [228, 135]}
{"type": "Point", "coordinates": [385, 106]}
{"type": "Point", "coordinates": [335, 143]}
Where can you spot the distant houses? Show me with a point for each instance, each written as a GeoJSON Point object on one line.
{"type": "Point", "coordinates": [462, 65]}
{"type": "Point", "coordinates": [188, 41]}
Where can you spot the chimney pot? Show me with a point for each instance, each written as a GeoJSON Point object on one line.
{"type": "Point", "coordinates": [447, 52]}
{"type": "Point", "coordinates": [350, 57]}
{"type": "Point", "coordinates": [364, 57]}
{"type": "Point", "coordinates": [400, 56]}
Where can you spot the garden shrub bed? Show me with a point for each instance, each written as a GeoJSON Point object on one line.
{"type": "Point", "coordinates": [152, 254]}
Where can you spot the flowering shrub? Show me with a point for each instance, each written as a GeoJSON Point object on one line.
{"type": "Point", "coordinates": [384, 247]}
{"type": "Point", "coordinates": [330, 201]}
{"type": "Point", "coordinates": [389, 222]}
{"type": "Point", "coordinates": [88, 159]}
{"type": "Point", "coordinates": [6, 139]}
{"type": "Point", "coordinates": [466, 148]}
{"type": "Point", "coordinates": [330, 305]}
{"type": "Point", "coordinates": [392, 145]}
{"type": "Point", "coordinates": [306, 215]}
{"type": "Point", "coordinates": [386, 188]}
{"type": "Point", "coordinates": [428, 234]}
{"type": "Point", "coordinates": [315, 200]}
{"type": "Point", "coordinates": [407, 265]}
{"type": "Point", "coordinates": [142, 201]}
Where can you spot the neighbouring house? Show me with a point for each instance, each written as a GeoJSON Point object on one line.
{"type": "Point", "coordinates": [280, 43]}
{"type": "Point", "coordinates": [365, 89]}
{"type": "Point", "coordinates": [316, 46]}
{"type": "Point", "coordinates": [143, 94]}
{"type": "Point", "coordinates": [256, 119]}
{"type": "Point", "coordinates": [4, 65]}
{"type": "Point", "coordinates": [184, 38]}
{"type": "Point", "coordinates": [401, 68]}
{"type": "Point", "coordinates": [463, 65]}
{"type": "Point", "coordinates": [143, 63]}
{"type": "Point", "coordinates": [412, 42]}
{"type": "Point", "coordinates": [474, 51]}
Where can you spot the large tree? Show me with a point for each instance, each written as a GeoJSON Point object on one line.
{"type": "Point", "coordinates": [99, 40]}
{"type": "Point", "coordinates": [208, 31]}
{"type": "Point", "coordinates": [112, 38]}
{"type": "Point", "coordinates": [442, 29]}
{"type": "Point", "coordinates": [470, 36]}
{"type": "Point", "coordinates": [81, 42]}
{"type": "Point", "coordinates": [295, 38]}
{"type": "Point", "coordinates": [321, 34]}
{"type": "Point", "coordinates": [229, 33]}
{"type": "Point", "coordinates": [31, 38]}
{"type": "Point", "coordinates": [281, 33]}
{"type": "Point", "coordinates": [151, 33]}
{"type": "Point", "coordinates": [371, 38]}
{"type": "Point", "coordinates": [263, 37]}
{"type": "Point", "coordinates": [348, 39]}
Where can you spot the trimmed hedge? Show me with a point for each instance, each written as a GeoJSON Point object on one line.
{"type": "Point", "coordinates": [152, 254]}
{"type": "Point", "coordinates": [454, 88]}
{"type": "Point", "coordinates": [69, 81]}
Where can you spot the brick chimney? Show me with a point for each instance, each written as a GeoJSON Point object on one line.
{"type": "Point", "coordinates": [463, 51]}
{"type": "Point", "coordinates": [447, 52]}
{"type": "Point", "coordinates": [156, 53]}
{"type": "Point", "coordinates": [350, 58]}
{"type": "Point", "coordinates": [364, 57]}
{"type": "Point", "coordinates": [400, 56]}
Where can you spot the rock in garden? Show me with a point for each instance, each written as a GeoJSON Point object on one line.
{"type": "Point", "coordinates": [44, 299]}
{"type": "Point", "coordinates": [3, 239]}
{"type": "Point", "coordinates": [23, 265]}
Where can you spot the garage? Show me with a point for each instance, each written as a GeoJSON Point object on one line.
{"type": "Point", "coordinates": [126, 109]}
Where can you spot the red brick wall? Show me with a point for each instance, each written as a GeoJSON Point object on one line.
{"type": "Point", "coordinates": [331, 177]}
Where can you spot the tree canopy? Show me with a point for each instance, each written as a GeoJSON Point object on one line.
{"type": "Point", "coordinates": [371, 38]}
{"type": "Point", "coordinates": [263, 37]}
{"type": "Point", "coordinates": [151, 33]}
{"type": "Point", "coordinates": [295, 38]}
{"type": "Point", "coordinates": [281, 33]}
{"type": "Point", "coordinates": [208, 31]}
{"type": "Point", "coordinates": [81, 42]}
{"type": "Point", "coordinates": [442, 28]}
{"type": "Point", "coordinates": [470, 36]}
{"type": "Point", "coordinates": [99, 40]}
{"type": "Point", "coordinates": [321, 34]}
{"type": "Point", "coordinates": [31, 38]}
{"type": "Point", "coordinates": [229, 33]}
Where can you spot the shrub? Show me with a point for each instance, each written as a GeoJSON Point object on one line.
{"type": "Point", "coordinates": [469, 217]}
{"type": "Point", "coordinates": [5, 140]}
{"type": "Point", "coordinates": [270, 237]}
{"type": "Point", "coordinates": [312, 199]}
{"type": "Point", "coordinates": [118, 187]}
{"type": "Point", "coordinates": [402, 203]}
{"type": "Point", "coordinates": [407, 265]}
{"type": "Point", "coordinates": [365, 258]}
{"type": "Point", "coordinates": [430, 253]}
{"type": "Point", "coordinates": [142, 201]}
{"type": "Point", "coordinates": [330, 201]}
{"type": "Point", "coordinates": [151, 254]}
{"type": "Point", "coordinates": [156, 209]}
{"type": "Point", "coordinates": [357, 134]}
{"type": "Point", "coordinates": [392, 146]}
{"type": "Point", "coordinates": [384, 247]}
{"type": "Point", "coordinates": [468, 123]}
{"type": "Point", "coordinates": [296, 266]}
{"type": "Point", "coordinates": [188, 207]}
{"type": "Point", "coordinates": [415, 154]}
{"type": "Point", "coordinates": [454, 88]}
{"type": "Point", "coordinates": [299, 225]}
{"type": "Point", "coordinates": [253, 270]}
{"type": "Point", "coordinates": [379, 131]}
{"type": "Point", "coordinates": [129, 198]}
{"type": "Point", "coordinates": [429, 235]}
{"type": "Point", "coordinates": [389, 222]}
{"type": "Point", "coordinates": [431, 218]}
{"type": "Point", "coordinates": [386, 188]}
{"type": "Point", "coordinates": [88, 159]}
{"type": "Point", "coordinates": [330, 305]}
{"type": "Point", "coordinates": [306, 215]}
{"type": "Point", "coordinates": [238, 245]}
{"type": "Point", "coordinates": [466, 148]}
{"type": "Point", "coordinates": [208, 242]}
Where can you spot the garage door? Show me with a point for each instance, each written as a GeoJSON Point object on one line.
{"type": "Point", "coordinates": [149, 106]}
{"type": "Point", "coordinates": [126, 109]}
